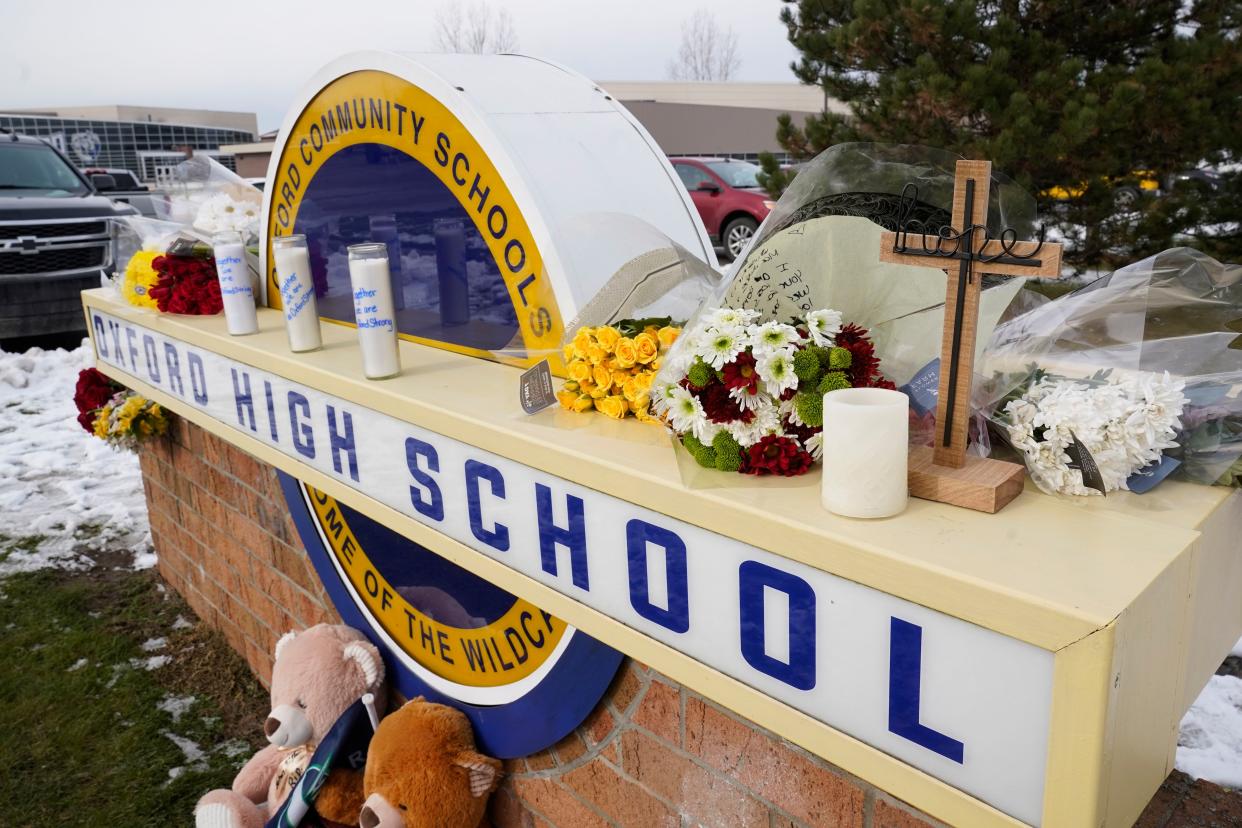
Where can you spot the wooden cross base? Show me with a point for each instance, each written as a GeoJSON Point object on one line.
{"type": "Point", "coordinates": [983, 484]}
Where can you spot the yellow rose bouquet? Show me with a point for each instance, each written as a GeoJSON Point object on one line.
{"type": "Point", "coordinates": [611, 367]}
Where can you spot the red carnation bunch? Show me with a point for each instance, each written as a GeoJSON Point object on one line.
{"type": "Point", "coordinates": [92, 393]}
{"type": "Point", "coordinates": [775, 454]}
{"type": "Point", "coordinates": [187, 285]}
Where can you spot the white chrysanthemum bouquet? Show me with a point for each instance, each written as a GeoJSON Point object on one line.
{"type": "Point", "coordinates": [1124, 426]}
{"type": "Point", "coordinates": [222, 213]}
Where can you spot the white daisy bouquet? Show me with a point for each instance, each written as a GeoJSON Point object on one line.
{"type": "Point", "coordinates": [745, 396]}
{"type": "Point", "coordinates": [1089, 436]}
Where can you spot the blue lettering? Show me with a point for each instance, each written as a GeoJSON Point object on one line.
{"type": "Point", "coordinates": [244, 399]}
{"type": "Point", "coordinates": [338, 444]}
{"type": "Point", "coordinates": [572, 538]}
{"type": "Point", "coordinates": [303, 434]}
{"type": "Point", "coordinates": [271, 411]}
{"type": "Point", "coordinates": [130, 336]}
{"type": "Point", "coordinates": [753, 579]}
{"type": "Point", "coordinates": [115, 329]}
{"type": "Point", "coordinates": [173, 361]}
{"type": "Point", "coordinates": [638, 534]}
{"type": "Point", "coordinates": [101, 341]}
{"type": "Point", "coordinates": [497, 538]}
{"type": "Point", "coordinates": [153, 358]}
{"type": "Point", "coordinates": [198, 378]}
{"type": "Point", "coordinates": [432, 503]}
{"type": "Point", "coordinates": [905, 679]}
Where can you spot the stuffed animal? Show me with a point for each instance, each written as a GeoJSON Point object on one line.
{"type": "Point", "coordinates": [318, 674]}
{"type": "Point", "coordinates": [423, 771]}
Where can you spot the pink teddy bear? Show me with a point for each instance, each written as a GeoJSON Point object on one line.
{"type": "Point", "coordinates": [318, 674]}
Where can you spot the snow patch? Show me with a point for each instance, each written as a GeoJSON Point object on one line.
{"type": "Point", "coordinates": [152, 663]}
{"type": "Point", "coordinates": [1210, 743]}
{"type": "Point", "coordinates": [153, 644]}
{"type": "Point", "coordinates": [176, 706]}
{"type": "Point", "coordinates": [181, 623]}
{"type": "Point", "coordinates": [65, 491]}
{"type": "Point", "coordinates": [77, 665]}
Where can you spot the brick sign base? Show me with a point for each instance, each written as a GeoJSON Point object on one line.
{"type": "Point", "coordinates": [653, 753]}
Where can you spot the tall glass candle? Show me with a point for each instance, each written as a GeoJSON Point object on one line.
{"type": "Point", "coordinates": [236, 287]}
{"type": "Point", "coordinates": [373, 309]}
{"type": "Point", "coordinates": [866, 431]}
{"type": "Point", "coordinates": [384, 230]}
{"type": "Point", "coordinates": [450, 238]}
{"type": "Point", "coordinates": [297, 292]}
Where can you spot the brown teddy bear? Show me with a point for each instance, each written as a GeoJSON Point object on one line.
{"type": "Point", "coordinates": [422, 772]}
{"type": "Point", "coordinates": [318, 674]}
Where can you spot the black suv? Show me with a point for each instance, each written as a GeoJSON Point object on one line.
{"type": "Point", "coordinates": [56, 237]}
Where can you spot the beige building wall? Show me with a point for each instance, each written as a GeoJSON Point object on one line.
{"type": "Point", "coordinates": [783, 97]}
{"type": "Point", "coordinates": [687, 129]}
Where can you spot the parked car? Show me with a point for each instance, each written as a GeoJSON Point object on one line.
{"type": "Point", "coordinates": [1129, 190]}
{"type": "Point", "coordinates": [728, 198]}
{"type": "Point", "coordinates": [55, 237]}
{"type": "Point", "coordinates": [129, 190]}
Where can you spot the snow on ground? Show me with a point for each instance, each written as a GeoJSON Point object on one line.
{"type": "Point", "coordinates": [56, 481]}
{"type": "Point", "coordinates": [1209, 745]}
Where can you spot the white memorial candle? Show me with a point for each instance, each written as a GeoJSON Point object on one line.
{"type": "Point", "coordinates": [297, 292]}
{"type": "Point", "coordinates": [236, 287]}
{"type": "Point", "coordinates": [865, 448]}
{"type": "Point", "coordinates": [371, 282]}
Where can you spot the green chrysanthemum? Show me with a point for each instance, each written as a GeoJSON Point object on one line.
{"type": "Point", "coordinates": [833, 381]}
{"type": "Point", "coordinates": [806, 365]}
{"type": "Point", "coordinates": [728, 452]}
{"type": "Point", "coordinates": [810, 407]}
{"type": "Point", "coordinates": [703, 455]}
{"type": "Point", "coordinates": [839, 359]}
{"type": "Point", "coordinates": [700, 374]}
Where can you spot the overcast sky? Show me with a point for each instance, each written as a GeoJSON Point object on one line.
{"type": "Point", "coordinates": [253, 55]}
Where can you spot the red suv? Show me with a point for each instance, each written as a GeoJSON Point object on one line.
{"type": "Point", "coordinates": [729, 199]}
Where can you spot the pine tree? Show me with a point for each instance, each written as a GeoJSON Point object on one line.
{"type": "Point", "coordinates": [1090, 96]}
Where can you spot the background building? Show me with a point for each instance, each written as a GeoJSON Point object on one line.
{"type": "Point", "coordinates": [732, 120]}
{"type": "Point", "coordinates": [148, 140]}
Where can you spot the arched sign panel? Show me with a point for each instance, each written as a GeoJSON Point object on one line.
{"type": "Point", "coordinates": [373, 157]}
{"type": "Point", "coordinates": [524, 677]}
{"type": "Point", "coordinates": [479, 173]}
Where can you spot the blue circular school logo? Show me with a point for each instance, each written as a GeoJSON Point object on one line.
{"type": "Point", "coordinates": [524, 677]}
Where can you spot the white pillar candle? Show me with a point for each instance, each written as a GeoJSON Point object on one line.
{"type": "Point", "coordinates": [371, 282]}
{"type": "Point", "coordinates": [865, 448]}
{"type": "Point", "coordinates": [297, 292]}
{"type": "Point", "coordinates": [236, 287]}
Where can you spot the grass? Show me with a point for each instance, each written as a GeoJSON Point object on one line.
{"type": "Point", "coordinates": [83, 741]}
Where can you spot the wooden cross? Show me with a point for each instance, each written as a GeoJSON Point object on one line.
{"type": "Point", "coordinates": [948, 474]}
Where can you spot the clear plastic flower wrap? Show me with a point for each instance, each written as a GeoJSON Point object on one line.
{"type": "Point", "coordinates": [819, 248]}
{"type": "Point", "coordinates": [210, 198]}
{"type": "Point", "coordinates": [1140, 370]}
{"type": "Point", "coordinates": [634, 274]}
{"type": "Point", "coordinates": [139, 242]}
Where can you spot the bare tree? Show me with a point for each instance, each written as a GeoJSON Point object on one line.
{"type": "Point", "coordinates": [708, 51]}
{"type": "Point", "coordinates": [474, 27]}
